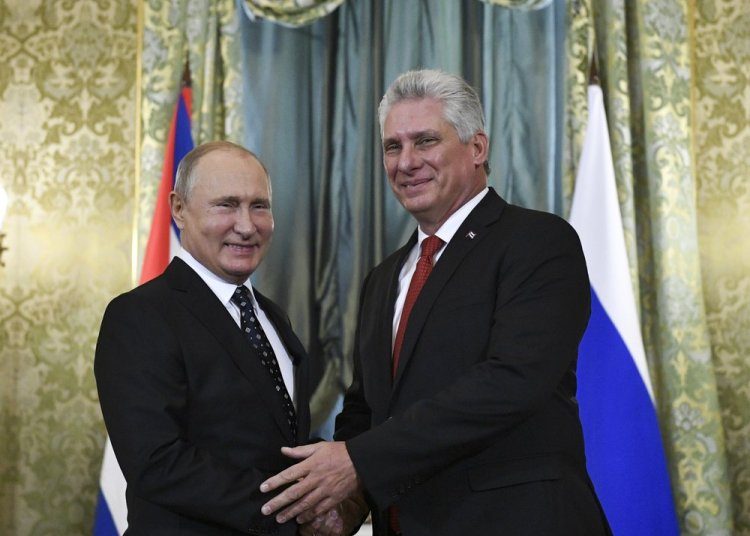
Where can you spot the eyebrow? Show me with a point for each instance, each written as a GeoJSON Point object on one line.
{"type": "Point", "coordinates": [413, 135]}
{"type": "Point", "coordinates": [235, 199]}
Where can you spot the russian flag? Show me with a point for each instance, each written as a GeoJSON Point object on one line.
{"type": "Point", "coordinates": [111, 516]}
{"type": "Point", "coordinates": [624, 451]}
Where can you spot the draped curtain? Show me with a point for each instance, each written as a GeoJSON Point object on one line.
{"type": "Point", "coordinates": [310, 112]}
{"type": "Point", "coordinates": [299, 12]}
{"type": "Point", "coordinates": [644, 62]}
{"type": "Point", "coordinates": [304, 98]}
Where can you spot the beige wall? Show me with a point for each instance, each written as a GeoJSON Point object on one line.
{"type": "Point", "coordinates": [722, 126]}
{"type": "Point", "coordinates": [67, 108]}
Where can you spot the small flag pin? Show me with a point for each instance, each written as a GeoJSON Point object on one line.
{"type": "Point", "coordinates": [470, 235]}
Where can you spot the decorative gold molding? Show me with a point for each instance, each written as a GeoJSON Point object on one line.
{"type": "Point", "coordinates": [2, 248]}
{"type": "Point", "coordinates": [692, 47]}
{"type": "Point", "coordinates": [134, 254]}
{"type": "Point", "coordinates": [3, 212]}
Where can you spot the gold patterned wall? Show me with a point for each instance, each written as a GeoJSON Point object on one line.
{"type": "Point", "coordinates": [722, 126]}
{"type": "Point", "coordinates": [67, 108]}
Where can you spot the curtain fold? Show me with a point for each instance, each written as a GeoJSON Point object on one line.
{"type": "Point", "coordinates": [214, 59]}
{"type": "Point", "coordinates": [675, 330]}
{"type": "Point", "coordinates": [294, 13]}
{"type": "Point", "coordinates": [286, 109]}
{"type": "Point", "coordinates": [644, 65]}
{"type": "Point", "coordinates": [523, 86]}
{"type": "Point", "coordinates": [290, 13]}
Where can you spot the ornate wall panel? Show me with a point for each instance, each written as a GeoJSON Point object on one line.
{"type": "Point", "coordinates": [722, 109]}
{"type": "Point", "coordinates": [67, 108]}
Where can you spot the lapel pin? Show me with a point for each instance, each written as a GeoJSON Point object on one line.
{"type": "Point", "coordinates": [470, 235]}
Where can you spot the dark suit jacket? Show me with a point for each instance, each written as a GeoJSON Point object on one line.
{"type": "Point", "coordinates": [479, 432]}
{"type": "Point", "coordinates": [191, 412]}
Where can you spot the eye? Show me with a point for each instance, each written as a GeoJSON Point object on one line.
{"type": "Point", "coordinates": [390, 148]}
{"type": "Point", "coordinates": [426, 140]}
{"type": "Point", "coordinates": [225, 204]}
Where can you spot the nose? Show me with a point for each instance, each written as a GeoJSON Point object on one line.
{"type": "Point", "coordinates": [408, 159]}
{"type": "Point", "coordinates": [243, 223]}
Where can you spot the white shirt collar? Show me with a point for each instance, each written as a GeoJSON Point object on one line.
{"type": "Point", "coordinates": [455, 220]}
{"type": "Point", "coordinates": [223, 289]}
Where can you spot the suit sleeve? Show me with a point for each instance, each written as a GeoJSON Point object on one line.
{"type": "Point", "coordinates": [356, 414]}
{"type": "Point", "coordinates": [143, 391]}
{"type": "Point", "coordinates": [539, 316]}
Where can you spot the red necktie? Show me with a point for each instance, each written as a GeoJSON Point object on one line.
{"type": "Point", "coordinates": [430, 246]}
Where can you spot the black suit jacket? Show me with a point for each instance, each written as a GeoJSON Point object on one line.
{"type": "Point", "coordinates": [479, 431]}
{"type": "Point", "coordinates": [192, 414]}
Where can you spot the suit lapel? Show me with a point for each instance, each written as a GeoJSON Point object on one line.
{"type": "Point", "coordinates": [382, 377]}
{"type": "Point", "coordinates": [471, 232]}
{"type": "Point", "coordinates": [195, 296]}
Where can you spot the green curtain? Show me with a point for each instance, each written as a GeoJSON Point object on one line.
{"type": "Point", "coordinates": [644, 60]}
{"type": "Point", "coordinates": [300, 12]}
{"type": "Point", "coordinates": [310, 104]}
{"type": "Point", "coordinates": [285, 78]}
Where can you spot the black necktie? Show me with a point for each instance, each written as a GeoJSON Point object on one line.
{"type": "Point", "coordinates": [257, 338]}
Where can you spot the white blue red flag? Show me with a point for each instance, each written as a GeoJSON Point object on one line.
{"type": "Point", "coordinates": [624, 451]}
{"type": "Point", "coordinates": [111, 517]}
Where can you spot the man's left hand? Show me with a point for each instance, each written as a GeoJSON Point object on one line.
{"type": "Point", "coordinates": [340, 521]}
{"type": "Point", "coordinates": [324, 478]}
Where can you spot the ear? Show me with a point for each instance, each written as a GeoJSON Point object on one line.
{"type": "Point", "coordinates": [177, 206]}
{"type": "Point", "coordinates": [481, 147]}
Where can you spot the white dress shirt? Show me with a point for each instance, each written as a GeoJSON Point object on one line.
{"type": "Point", "coordinates": [445, 233]}
{"type": "Point", "coordinates": [224, 292]}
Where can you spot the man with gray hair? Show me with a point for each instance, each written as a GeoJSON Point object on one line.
{"type": "Point", "coordinates": [461, 417]}
{"type": "Point", "coordinates": [201, 379]}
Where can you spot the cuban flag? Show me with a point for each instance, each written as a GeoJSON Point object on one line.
{"type": "Point", "coordinates": [624, 451]}
{"type": "Point", "coordinates": [111, 516]}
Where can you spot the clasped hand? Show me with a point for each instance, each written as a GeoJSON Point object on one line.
{"type": "Point", "coordinates": [319, 483]}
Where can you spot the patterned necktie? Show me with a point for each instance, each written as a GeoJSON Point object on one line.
{"type": "Point", "coordinates": [430, 246]}
{"type": "Point", "coordinates": [257, 338]}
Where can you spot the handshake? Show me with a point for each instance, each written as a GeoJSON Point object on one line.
{"type": "Point", "coordinates": [325, 495]}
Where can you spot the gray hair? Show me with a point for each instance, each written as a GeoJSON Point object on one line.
{"type": "Point", "coordinates": [461, 105]}
{"type": "Point", "coordinates": [186, 177]}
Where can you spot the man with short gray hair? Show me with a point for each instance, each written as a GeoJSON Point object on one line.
{"type": "Point", "coordinates": [461, 418]}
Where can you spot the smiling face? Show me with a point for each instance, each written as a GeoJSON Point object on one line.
{"type": "Point", "coordinates": [226, 221]}
{"type": "Point", "coordinates": [431, 172]}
